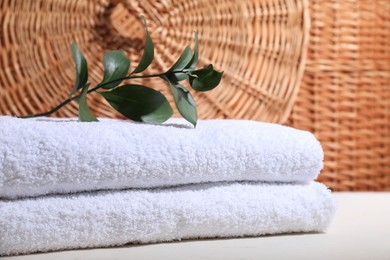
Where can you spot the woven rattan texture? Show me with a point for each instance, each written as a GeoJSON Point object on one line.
{"type": "Point", "coordinates": [344, 98]}
{"type": "Point", "coordinates": [345, 95]}
{"type": "Point", "coordinates": [261, 46]}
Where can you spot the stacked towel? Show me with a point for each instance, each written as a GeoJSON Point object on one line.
{"type": "Point", "coordinates": [66, 184]}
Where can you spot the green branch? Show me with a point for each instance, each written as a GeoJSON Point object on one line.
{"type": "Point", "coordinates": [137, 102]}
{"type": "Point", "coordinates": [67, 101]}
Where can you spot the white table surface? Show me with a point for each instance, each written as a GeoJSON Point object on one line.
{"type": "Point", "coordinates": [360, 230]}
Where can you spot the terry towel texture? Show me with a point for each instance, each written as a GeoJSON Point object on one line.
{"type": "Point", "coordinates": [41, 157]}
{"type": "Point", "coordinates": [110, 218]}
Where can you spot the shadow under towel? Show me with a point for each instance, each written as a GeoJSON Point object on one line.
{"type": "Point", "coordinates": [109, 218]}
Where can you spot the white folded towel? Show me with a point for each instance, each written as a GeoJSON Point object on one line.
{"type": "Point", "coordinates": [109, 218]}
{"type": "Point", "coordinates": [42, 156]}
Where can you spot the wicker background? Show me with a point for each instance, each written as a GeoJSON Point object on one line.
{"type": "Point", "coordinates": [260, 44]}
{"type": "Point", "coordinates": [345, 95]}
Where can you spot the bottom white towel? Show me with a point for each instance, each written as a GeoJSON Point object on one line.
{"type": "Point", "coordinates": [109, 218]}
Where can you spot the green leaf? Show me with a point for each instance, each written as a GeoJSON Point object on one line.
{"type": "Point", "coordinates": [148, 55]}
{"type": "Point", "coordinates": [187, 60]}
{"type": "Point", "coordinates": [85, 115]}
{"type": "Point", "coordinates": [184, 101]}
{"type": "Point", "coordinates": [203, 71]}
{"type": "Point", "coordinates": [139, 103]}
{"type": "Point", "coordinates": [116, 66]}
{"type": "Point", "coordinates": [195, 58]}
{"type": "Point", "coordinates": [183, 60]}
{"type": "Point", "coordinates": [207, 79]}
{"type": "Point", "coordinates": [81, 68]}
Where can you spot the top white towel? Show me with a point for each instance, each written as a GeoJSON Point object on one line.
{"type": "Point", "coordinates": [42, 156]}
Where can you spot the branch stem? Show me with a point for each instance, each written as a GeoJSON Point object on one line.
{"type": "Point", "coordinates": [67, 101]}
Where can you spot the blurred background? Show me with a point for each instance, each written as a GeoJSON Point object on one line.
{"type": "Point", "coordinates": [318, 65]}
